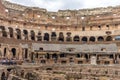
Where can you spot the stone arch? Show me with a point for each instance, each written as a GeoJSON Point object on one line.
{"type": "Point", "coordinates": [92, 39]}
{"type": "Point", "coordinates": [11, 32]}
{"type": "Point", "coordinates": [61, 37]}
{"type": "Point", "coordinates": [13, 52]}
{"type": "Point", "coordinates": [36, 56]}
{"type": "Point", "coordinates": [84, 39]}
{"type": "Point", "coordinates": [18, 33]}
{"type": "Point", "coordinates": [3, 76]}
{"type": "Point", "coordinates": [46, 36]}
{"type": "Point", "coordinates": [76, 38]}
{"type": "Point", "coordinates": [86, 56]}
{"type": "Point", "coordinates": [53, 36]}
{"type": "Point", "coordinates": [39, 37]}
{"type": "Point", "coordinates": [54, 56]}
{"type": "Point", "coordinates": [48, 56]}
{"type": "Point", "coordinates": [32, 35]}
{"type": "Point", "coordinates": [78, 55]}
{"type": "Point", "coordinates": [68, 37]}
{"type": "Point", "coordinates": [25, 32]}
{"type": "Point", "coordinates": [100, 38]}
{"type": "Point", "coordinates": [43, 61]}
{"type": "Point", "coordinates": [108, 38]}
{"type": "Point", "coordinates": [62, 55]}
{"type": "Point", "coordinates": [26, 53]}
{"type": "Point", "coordinates": [5, 50]}
{"type": "Point", "coordinates": [32, 54]}
{"type": "Point", "coordinates": [4, 33]}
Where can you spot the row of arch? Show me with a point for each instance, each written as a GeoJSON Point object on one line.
{"type": "Point", "coordinates": [77, 38]}
{"type": "Point", "coordinates": [51, 37]}
{"type": "Point", "coordinates": [13, 52]}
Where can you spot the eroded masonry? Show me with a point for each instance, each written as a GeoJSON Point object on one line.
{"type": "Point", "coordinates": [64, 45]}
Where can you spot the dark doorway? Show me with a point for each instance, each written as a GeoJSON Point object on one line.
{"type": "Point", "coordinates": [100, 38]}
{"type": "Point", "coordinates": [13, 52]}
{"type": "Point", "coordinates": [92, 39]}
{"type": "Point", "coordinates": [26, 53]}
{"type": "Point", "coordinates": [84, 39]}
{"type": "Point", "coordinates": [76, 38]}
{"type": "Point", "coordinates": [4, 52]}
{"type": "Point", "coordinates": [3, 77]}
{"type": "Point", "coordinates": [46, 37]}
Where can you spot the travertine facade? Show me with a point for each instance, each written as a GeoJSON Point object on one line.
{"type": "Point", "coordinates": [79, 37]}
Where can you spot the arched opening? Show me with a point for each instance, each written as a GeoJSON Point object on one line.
{"type": "Point", "coordinates": [53, 36]}
{"type": "Point", "coordinates": [68, 38]}
{"type": "Point", "coordinates": [76, 38]}
{"type": "Point", "coordinates": [39, 37]}
{"type": "Point", "coordinates": [9, 69]}
{"type": "Point", "coordinates": [92, 39]}
{"type": "Point", "coordinates": [26, 53]}
{"type": "Point", "coordinates": [71, 60]}
{"type": "Point", "coordinates": [46, 37]}
{"type": "Point", "coordinates": [109, 38]}
{"type": "Point", "coordinates": [48, 56]}
{"type": "Point", "coordinates": [86, 56]}
{"type": "Point", "coordinates": [117, 38]}
{"type": "Point", "coordinates": [100, 38]}
{"type": "Point", "coordinates": [62, 55]}
{"type": "Point", "coordinates": [13, 52]}
{"type": "Point", "coordinates": [111, 56]}
{"type": "Point", "coordinates": [61, 37]}
{"type": "Point", "coordinates": [25, 34]}
{"type": "Point", "coordinates": [4, 52]}
{"type": "Point", "coordinates": [11, 32]}
{"type": "Point", "coordinates": [18, 33]}
{"type": "Point", "coordinates": [4, 33]}
{"type": "Point", "coordinates": [43, 61]}
{"type": "Point", "coordinates": [41, 49]}
{"type": "Point", "coordinates": [32, 56]}
{"type": "Point", "coordinates": [32, 35]}
{"type": "Point", "coordinates": [78, 55]}
{"type": "Point", "coordinates": [36, 55]}
{"type": "Point", "coordinates": [84, 39]}
{"type": "Point", "coordinates": [99, 27]}
{"type": "Point", "coordinates": [55, 57]}
{"type": "Point", "coordinates": [3, 77]}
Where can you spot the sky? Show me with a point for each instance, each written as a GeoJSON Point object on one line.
{"type": "Point", "coordinates": [55, 5]}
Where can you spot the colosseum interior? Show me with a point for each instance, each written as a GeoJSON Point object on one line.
{"type": "Point", "coordinates": [36, 44]}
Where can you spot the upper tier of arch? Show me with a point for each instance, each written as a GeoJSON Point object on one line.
{"type": "Point", "coordinates": [81, 17]}
{"type": "Point", "coordinates": [92, 11]}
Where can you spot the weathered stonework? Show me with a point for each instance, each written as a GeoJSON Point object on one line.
{"type": "Point", "coordinates": [64, 45]}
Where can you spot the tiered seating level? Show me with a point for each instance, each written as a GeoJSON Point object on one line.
{"type": "Point", "coordinates": [70, 71]}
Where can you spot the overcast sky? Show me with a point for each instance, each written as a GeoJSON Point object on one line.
{"type": "Point", "coordinates": [55, 5]}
